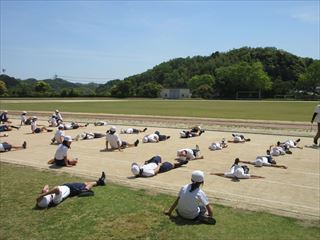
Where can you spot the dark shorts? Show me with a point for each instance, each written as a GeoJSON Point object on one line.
{"type": "Point", "coordinates": [37, 130]}
{"type": "Point", "coordinates": [76, 188]}
{"type": "Point", "coordinates": [135, 130]}
{"type": "Point", "coordinates": [99, 135]}
{"type": "Point", "coordinates": [155, 159]}
{"type": "Point", "coordinates": [6, 146]}
{"type": "Point", "coordinates": [75, 126]}
{"type": "Point", "coordinates": [124, 144]}
{"type": "Point", "coordinates": [162, 137]}
{"type": "Point", "coordinates": [3, 128]}
{"type": "Point", "coordinates": [165, 167]}
{"type": "Point", "coordinates": [195, 152]}
{"type": "Point", "coordinates": [59, 162]}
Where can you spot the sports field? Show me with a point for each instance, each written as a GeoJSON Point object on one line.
{"type": "Point", "coordinates": [293, 192]}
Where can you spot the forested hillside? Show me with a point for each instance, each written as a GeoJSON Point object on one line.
{"type": "Point", "coordinates": [271, 71]}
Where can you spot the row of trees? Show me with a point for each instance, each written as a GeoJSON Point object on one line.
{"type": "Point", "coordinates": [220, 75]}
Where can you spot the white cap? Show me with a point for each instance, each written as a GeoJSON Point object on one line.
{"type": "Point", "coordinates": [259, 162]}
{"type": "Point", "coordinates": [6, 111]}
{"type": "Point", "coordinates": [67, 138]}
{"type": "Point", "coordinates": [57, 110]}
{"type": "Point", "coordinates": [60, 126]}
{"type": "Point", "coordinates": [135, 169]}
{"type": "Point", "coordinates": [113, 129]}
{"type": "Point", "coordinates": [182, 134]}
{"type": "Point", "coordinates": [145, 139]}
{"type": "Point", "coordinates": [24, 112]}
{"type": "Point", "coordinates": [44, 202]}
{"type": "Point", "coordinates": [197, 176]}
{"type": "Point", "coordinates": [34, 117]}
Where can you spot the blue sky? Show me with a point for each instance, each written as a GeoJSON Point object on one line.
{"type": "Point", "coordinates": [84, 41]}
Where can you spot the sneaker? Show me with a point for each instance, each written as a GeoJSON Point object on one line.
{"type": "Point", "coordinates": [315, 141]}
{"type": "Point", "coordinates": [168, 137]}
{"type": "Point", "coordinates": [202, 131]}
{"type": "Point", "coordinates": [298, 140]}
{"type": "Point", "coordinates": [86, 125]}
{"type": "Point", "coordinates": [102, 180]}
{"type": "Point", "coordinates": [145, 129]}
{"type": "Point", "coordinates": [24, 145]}
{"type": "Point", "coordinates": [207, 220]}
{"type": "Point", "coordinates": [136, 142]}
{"type": "Point", "coordinates": [184, 162]}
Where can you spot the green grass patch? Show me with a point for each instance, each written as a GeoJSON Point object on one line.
{"type": "Point", "coordinates": [255, 110]}
{"type": "Point", "coordinates": [117, 212]}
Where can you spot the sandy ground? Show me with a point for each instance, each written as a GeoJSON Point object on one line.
{"type": "Point", "coordinates": [293, 192]}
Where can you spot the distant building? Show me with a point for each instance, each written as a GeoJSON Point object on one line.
{"type": "Point", "coordinates": [175, 93]}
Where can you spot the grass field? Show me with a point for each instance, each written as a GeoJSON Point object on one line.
{"type": "Point", "coordinates": [117, 212]}
{"type": "Point", "coordinates": [255, 110]}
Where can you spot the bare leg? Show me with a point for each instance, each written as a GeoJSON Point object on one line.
{"type": "Point", "coordinates": [90, 185]}
{"type": "Point", "coordinates": [317, 136]}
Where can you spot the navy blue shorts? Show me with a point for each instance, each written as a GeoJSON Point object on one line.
{"type": "Point", "coordinates": [37, 130]}
{"type": "Point", "coordinates": [6, 146]}
{"type": "Point", "coordinates": [155, 159]}
{"type": "Point", "coordinates": [59, 162]}
{"type": "Point", "coordinates": [76, 188]}
{"type": "Point", "coordinates": [165, 167]}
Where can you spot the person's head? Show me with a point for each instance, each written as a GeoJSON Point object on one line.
{"type": "Point", "coordinates": [112, 130]}
{"type": "Point", "coordinates": [182, 153]}
{"type": "Point", "coordinates": [236, 161]}
{"type": "Point", "coordinates": [157, 132]}
{"type": "Point", "coordinates": [5, 111]}
{"type": "Point", "coordinates": [67, 140]}
{"type": "Point", "coordinates": [135, 169]}
{"type": "Point", "coordinates": [273, 161]}
{"type": "Point", "coordinates": [278, 143]}
{"type": "Point", "coordinates": [268, 152]}
{"type": "Point", "coordinates": [34, 118]}
{"type": "Point", "coordinates": [60, 127]}
{"type": "Point", "coordinates": [45, 201]}
{"type": "Point", "coordinates": [197, 178]}
{"type": "Point", "coordinates": [24, 113]}
{"type": "Point", "coordinates": [57, 111]}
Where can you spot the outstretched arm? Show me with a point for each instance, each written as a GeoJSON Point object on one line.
{"type": "Point", "coordinates": [174, 205]}
{"type": "Point", "coordinates": [52, 191]}
{"type": "Point", "coordinates": [313, 117]}
{"type": "Point", "coordinates": [278, 166]}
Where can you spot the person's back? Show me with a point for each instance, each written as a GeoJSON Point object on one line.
{"type": "Point", "coordinates": [58, 136]}
{"type": "Point", "coordinates": [61, 152]}
{"type": "Point", "coordinates": [113, 140]}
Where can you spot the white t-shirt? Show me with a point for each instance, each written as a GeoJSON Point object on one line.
{"type": "Point", "coordinates": [68, 126]}
{"type": "Point", "coordinates": [189, 202]}
{"type": "Point", "coordinates": [23, 118]}
{"type": "Point", "coordinates": [237, 139]}
{"type": "Point", "coordinates": [57, 136]}
{"type": "Point", "coordinates": [64, 192]}
{"type": "Point", "coordinates": [215, 146]}
{"type": "Point", "coordinates": [53, 121]}
{"type": "Point", "coordinates": [317, 110]}
{"type": "Point", "coordinates": [276, 151]}
{"type": "Point", "coordinates": [2, 148]}
{"type": "Point", "coordinates": [61, 152]}
{"type": "Point", "coordinates": [128, 130]}
{"type": "Point", "coordinates": [153, 138]}
{"type": "Point", "coordinates": [148, 169]}
{"type": "Point", "coordinates": [33, 126]}
{"type": "Point", "coordinates": [113, 140]}
{"type": "Point", "coordinates": [290, 144]}
{"type": "Point", "coordinates": [261, 161]}
{"type": "Point", "coordinates": [236, 171]}
{"type": "Point", "coordinates": [189, 155]}
{"type": "Point", "coordinates": [58, 116]}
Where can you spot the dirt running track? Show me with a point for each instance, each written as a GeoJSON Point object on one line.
{"type": "Point", "coordinates": [293, 192]}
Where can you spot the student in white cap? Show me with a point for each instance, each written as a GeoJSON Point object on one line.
{"type": "Point", "coordinates": [89, 136]}
{"type": "Point", "coordinates": [192, 203]}
{"type": "Point", "coordinates": [239, 138]}
{"type": "Point", "coordinates": [115, 142]}
{"type": "Point", "coordinates": [154, 166]}
{"type": "Point", "coordinates": [53, 121]}
{"type": "Point", "coordinates": [316, 116]}
{"type": "Point", "coordinates": [56, 195]}
{"type": "Point", "coordinates": [189, 154]}
{"type": "Point", "coordinates": [36, 129]}
{"type": "Point", "coordinates": [4, 117]}
{"type": "Point", "coordinates": [100, 123]}
{"type": "Point", "coordinates": [58, 116]}
{"type": "Point", "coordinates": [237, 172]}
{"type": "Point", "coordinates": [132, 130]}
{"type": "Point", "coordinates": [151, 138]}
{"type": "Point", "coordinates": [218, 145]}
{"type": "Point", "coordinates": [61, 155]}
{"type": "Point", "coordinates": [24, 119]}
{"type": "Point", "coordinates": [59, 135]}
{"type": "Point", "coordinates": [6, 147]}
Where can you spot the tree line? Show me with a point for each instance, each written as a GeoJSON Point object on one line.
{"type": "Point", "coordinates": [270, 71]}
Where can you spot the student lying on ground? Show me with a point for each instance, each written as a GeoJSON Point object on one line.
{"type": "Point", "coordinates": [73, 125]}
{"type": "Point", "coordinates": [154, 166]}
{"type": "Point", "coordinates": [264, 161]}
{"type": "Point", "coordinates": [239, 138]}
{"type": "Point", "coordinates": [36, 129]}
{"type": "Point", "coordinates": [7, 127]}
{"type": "Point", "coordinates": [4, 117]}
{"type": "Point", "coordinates": [194, 132]}
{"type": "Point", "coordinates": [132, 130]}
{"type": "Point", "coordinates": [292, 144]}
{"type": "Point", "coordinates": [100, 123]}
{"type": "Point", "coordinates": [56, 195]}
{"type": "Point", "coordinates": [24, 119]}
{"type": "Point", "coordinates": [154, 137]}
{"type": "Point", "coordinates": [115, 142]}
{"type": "Point", "coordinates": [192, 203]}
{"type": "Point", "coordinates": [218, 145]}
{"type": "Point", "coordinates": [6, 147]}
{"type": "Point", "coordinates": [61, 155]}
{"type": "Point", "coordinates": [89, 135]}
{"type": "Point", "coordinates": [189, 154]}
{"type": "Point", "coordinates": [237, 172]}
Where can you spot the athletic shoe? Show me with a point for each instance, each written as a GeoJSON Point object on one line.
{"type": "Point", "coordinates": [168, 137]}
{"type": "Point", "coordinates": [24, 145]}
{"type": "Point", "coordinates": [207, 220]}
{"type": "Point", "coordinates": [136, 142]}
{"type": "Point", "coordinates": [102, 180]}
{"type": "Point", "coordinates": [315, 141]}
{"type": "Point", "coordinates": [145, 129]}
{"type": "Point", "coordinates": [202, 131]}
{"type": "Point", "coordinates": [298, 140]}
{"type": "Point", "coordinates": [86, 125]}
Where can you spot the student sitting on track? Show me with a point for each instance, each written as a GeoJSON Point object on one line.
{"type": "Point", "coordinates": [6, 147]}
{"type": "Point", "coordinates": [239, 138]}
{"type": "Point", "coordinates": [7, 127]}
{"type": "Point", "coordinates": [218, 145]}
{"type": "Point", "coordinates": [194, 132]}
{"type": "Point", "coordinates": [189, 154]}
{"type": "Point", "coordinates": [237, 172]}
{"type": "Point", "coordinates": [100, 123]}
{"type": "Point", "coordinates": [35, 129]}
{"type": "Point", "coordinates": [4, 117]}
{"type": "Point", "coordinates": [266, 160]}
{"type": "Point", "coordinates": [24, 119]}
{"type": "Point", "coordinates": [89, 135]}
{"type": "Point", "coordinates": [53, 121]}
{"type": "Point", "coordinates": [115, 142]}
{"type": "Point", "coordinates": [59, 135]}
{"type": "Point", "coordinates": [56, 195]}
{"type": "Point", "coordinates": [154, 166]}
{"type": "Point", "coordinates": [61, 155]}
{"type": "Point", "coordinates": [192, 203]}
{"type": "Point", "coordinates": [132, 130]}
{"type": "Point", "coordinates": [58, 116]}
